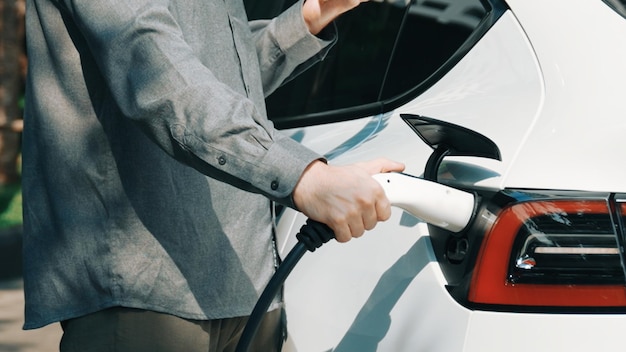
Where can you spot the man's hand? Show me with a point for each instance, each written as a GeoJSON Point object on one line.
{"type": "Point", "coordinates": [319, 13]}
{"type": "Point", "coordinates": [346, 198]}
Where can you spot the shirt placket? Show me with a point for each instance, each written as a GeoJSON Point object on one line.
{"type": "Point", "coordinates": [238, 35]}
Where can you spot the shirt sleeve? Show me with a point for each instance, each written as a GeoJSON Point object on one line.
{"type": "Point", "coordinates": [286, 48]}
{"type": "Point", "coordinates": [157, 81]}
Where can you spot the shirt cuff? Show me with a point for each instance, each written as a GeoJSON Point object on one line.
{"type": "Point", "coordinates": [288, 159]}
{"type": "Point", "coordinates": [293, 35]}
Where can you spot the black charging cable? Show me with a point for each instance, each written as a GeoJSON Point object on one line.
{"type": "Point", "coordinates": [312, 235]}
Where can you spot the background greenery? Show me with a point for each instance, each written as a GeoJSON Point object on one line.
{"type": "Point", "coordinates": [10, 206]}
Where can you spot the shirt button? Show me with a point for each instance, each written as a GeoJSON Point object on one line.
{"type": "Point", "coordinates": [221, 160]}
{"type": "Point", "coordinates": [274, 185]}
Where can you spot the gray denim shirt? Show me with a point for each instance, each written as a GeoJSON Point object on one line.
{"type": "Point", "coordinates": [148, 159]}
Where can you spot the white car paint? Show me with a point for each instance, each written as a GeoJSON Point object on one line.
{"type": "Point", "coordinates": [581, 125]}
{"type": "Point", "coordinates": [547, 89]}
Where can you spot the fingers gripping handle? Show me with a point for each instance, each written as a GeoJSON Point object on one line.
{"type": "Point", "coordinates": [434, 203]}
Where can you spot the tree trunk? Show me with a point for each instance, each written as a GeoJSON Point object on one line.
{"type": "Point", "coordinates": [12, 70]}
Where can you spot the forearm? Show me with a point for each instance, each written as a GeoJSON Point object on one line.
{"type": "Point", "coordinates": [196, 110]}
{"type": "Point", "coordinates": [285, 47]}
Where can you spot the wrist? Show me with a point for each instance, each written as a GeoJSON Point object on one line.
{"type": "Point", "coordinates": [318, 14]}
{"type": "Point", "coordinates": [303, 188]}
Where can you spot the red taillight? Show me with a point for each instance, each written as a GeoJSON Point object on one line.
{"type": "Point", "coordinates": [551, 253]}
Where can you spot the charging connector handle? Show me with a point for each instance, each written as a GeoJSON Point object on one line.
{"type": "Point", "coordinates": [314, 234]}
{"type": "Point", "coordinates": [434, 203]}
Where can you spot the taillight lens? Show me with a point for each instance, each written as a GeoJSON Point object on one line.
{"type": "Point", "coordinates": [563, 253]}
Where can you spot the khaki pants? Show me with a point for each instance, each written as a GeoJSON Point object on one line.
{"type": "Point", "coordinates": [135, 330]}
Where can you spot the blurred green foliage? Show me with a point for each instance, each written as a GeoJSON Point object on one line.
{"type": "Point", "coordinates": [10, 205]}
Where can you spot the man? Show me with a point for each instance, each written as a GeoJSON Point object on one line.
{"type": "Point", "coordinates": [149, 162]}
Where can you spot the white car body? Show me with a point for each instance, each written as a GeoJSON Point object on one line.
{"type": "Point", "coordinates": [545, 83]}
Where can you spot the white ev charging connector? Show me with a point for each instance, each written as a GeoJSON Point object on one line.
{"type": "Point", "coordinates": [432, 202]}
{"type": "Point", "coordinates": [436, 204]}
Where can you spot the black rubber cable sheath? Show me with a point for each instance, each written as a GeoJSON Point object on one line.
{"type": "Point", "coordinates": [272, 288]}
{"type": "Point", "coordinates": [312, 235]}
